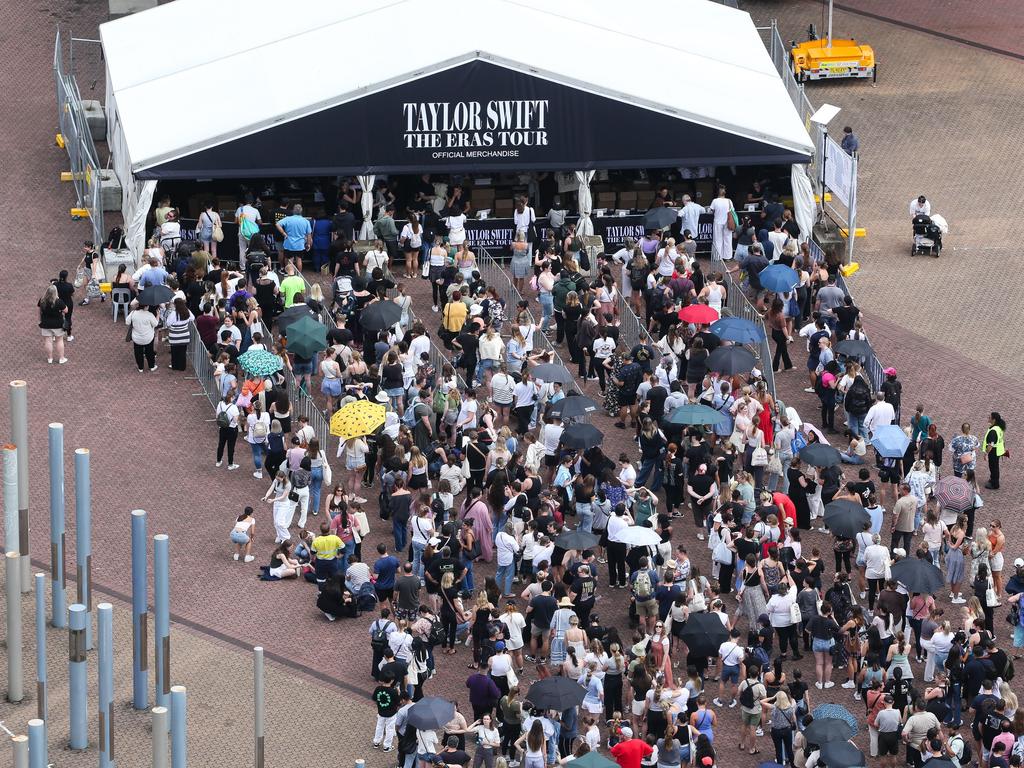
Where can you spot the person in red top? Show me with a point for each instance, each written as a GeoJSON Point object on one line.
{"type": "Point", "coordinates": [629, 752]}
{"type": "Point", "coordinates": [786, 507]}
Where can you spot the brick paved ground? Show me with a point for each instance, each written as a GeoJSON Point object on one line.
{"type": "Point", "coordinates": [152, 443]}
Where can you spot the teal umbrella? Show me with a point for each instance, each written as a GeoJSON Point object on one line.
{"type": "Point", "coordinates": [695, 413]}
{"type": "Point", "coordinates": [260, 362]}
{"type": "Point", "coordinates": [306, 337]}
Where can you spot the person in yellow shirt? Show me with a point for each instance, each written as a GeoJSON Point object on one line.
{"type": "Point", "coordinates": [453, 317]}
{"type": "Point", "coordinates": [995, 448]}
{"type": "Point", "coordinates": [326, 546]}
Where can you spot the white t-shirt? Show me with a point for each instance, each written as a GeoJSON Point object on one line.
{"type": "Point", "coordinates": [875, 558]}
{"type": "Point", "coordinates": [720, 206]}
{"type": "Point", "coordinates": [469, 408]}
{"type": "Point", "coordinates": [778, 609]}
{"type": "Point", "coordinates": [516, 623]}
{"type": "Point", "coordinates": [415, 238]}
{"type": "Point", "coordinates": [456, 229]}
{"type": "Point", "coordinates": [731, 653]}
{"type": "Point", "coordinates": [375, 259]}
{"type": "Point", "coordinates": [603, 348]}
{"type": "Point", "coordinates": [522, 220]}
{"type": "Point", "coordinates": [550, 436]}
{"type": "Point", "coordinates": [627, 476]}
{"type": "Point", "coordinates": [507, 547]}
{"type": "Point", "coordinates": [422, 528]}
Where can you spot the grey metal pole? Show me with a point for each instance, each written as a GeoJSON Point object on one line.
{"type": "Point", "coordinates": [78, 707]}
{"type": "Point", "coordinates": [19, 434]}
{"type": "Point", "coordinates": [161, 618]}
{"type": "Point", "coordinates": [258, 702]}
{"type": "Point", "coordinates": [179, 728]}
{"type": "Point", "coordinates": [140, 612]}
{"type": "Point", "coordinates": [15, 673]}
{"type": "Point", "coordinates": [58, 577]}
{"type": "Point", "coordinates": [20, 746]}
{"type": "Point", "coordinates": [11, 539]}
{"type": "Point", "coordinates": [160, 724]}
{"type": "Point", "coordinates": [37, 753]}
{"type": "Point", "coordinates": [41, 687]}
{"type": "Point", "coordinates": [852, 212]}
{"type": "Point", "coordinates": [105, 654]}
{"type": "Point", "coordinates": [83, 538]}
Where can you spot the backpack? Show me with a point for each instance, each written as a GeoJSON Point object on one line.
{"type": "Point", "coordinates": [223, 420]}
{"type": "Point", "coordinates": [379, 635]}
{"type": "Point", "coordinates": [437, 635]}
{"type": "Point", "coordinates": [759, 656]}
{"type": "Point", "coordinates": [747, 695]}
{"type": "Point", "coordinates": [439, 401]}
{"type": "Point", "coordinates": [259, 431]}
{"type": "Point", "coordinates": [858, 397]}
{"type": "Point", "coordinates": [437, 507]}
{"type": "Point", "coordinates": [798, 443]}
{"type": "Point", "coordinates": [409, 415]}
{"type": "Point", "coordinates": [642, 587]}
{"type": "Point", "coordinates": [966, 753]}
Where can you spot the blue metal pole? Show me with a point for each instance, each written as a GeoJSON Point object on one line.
{"type": "Point", "coordinates": [37, 754]}
{"type": "Point", "coordinates": [78, 707]}
{"type": "Point", "coordinates": [19, 436]}
{"type": "Point", "coordinates": [140, 612]}
{"type": "Point", "coordinates": [83, 538]}
{"type": "Point", "coordinates": [162, 620]}
{"type": "Point", "coordinates": [105, 654]}
{"type": "Point", "coordinates": [41, 687]}
{"type": "Point", "coordinates": [58, 578]}
{"type": "Point", "coordinates": [179, 728]}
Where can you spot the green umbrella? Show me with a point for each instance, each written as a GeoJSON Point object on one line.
{"type": "Point", "coordinates": [595, 760]}
{"type": "Point", "coordinates": [260, 362]}
{"type": "Point", "coordinates": [306, 337]}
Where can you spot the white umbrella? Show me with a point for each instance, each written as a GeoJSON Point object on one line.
{"type": "Point", "coordinates": [586, 201]}
{"type": "Point", "coordinates": [638, 536]}
{"type": "Point", "coordinates": [366, 182]}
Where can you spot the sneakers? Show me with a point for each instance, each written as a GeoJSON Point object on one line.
{"type": "Point", "coordinates": [830, 684]}
{"type": "Point", "coordinates": [258, 474]}
{"type": "Point", "coordinates": [249, 558]}
{"type": "Point", "coordinates": [700, 536]}
{"type": "Point", "coordinates": [857, 696]}
{"type": "Point", "coordinates": [83, 302]}
{"type": "Point", "coordinates": [809, 389]}
{"type": "Point", "coordinates": [332, 617]}
{"type": "Point", "coordinates": [958, 600]}
{"type": "Point", "coordinates": [849, 684]}
{"type": "Point", "coordinates": [376, 745]}
{"type": "Point", "coordinates": [435, 309]}
{"type": "Point", "coordinates": [219, 464]}
{"type": "Point", "coordinates": [140, 370]}
{"type": "Point", "coordinates": [235, 466]}
{"type": "Point", "coordinates": [732, 703]}
{"type": "Point", "coordinates": [62, 361]}
{"type": "Point", "coordinates": [387, 749]}
{"type": "Point", "coordinates": [359, 500]}
{"type": "Point", "coordinates": [759, 731]}
{"type": "Point", "coordinates": [864, 595]}
{"type": "Point", "coordinates": [529, 658]}
{"type": "Point", "coordinates": [153, 368]}
{"type": "Point", "coordinates": [70, 338]}
{"type": "Point", "coordinates": [717, 702]}
{"type": "Point", "coordinates": [818, 685]}
{"type": "Point", "coordinates": [234, 556]}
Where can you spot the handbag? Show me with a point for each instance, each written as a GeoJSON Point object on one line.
{"type": "Point", "coordinates": [774, 464]}
{"type": "Point", "coordinates": [736, 439]}
{"type": "Point", "coordinates": [425, 269]}
{"type": "Point", "coordinates": [731, 220]}
{"type": "Point", "coordinates": [128, 333]}
{"type": "Point", "coordinates": [218, 231]}
{"type": "Point", "coordinates": [794, 613]}
{"type": "Point", "coordinates": [759, 458]}
{"type": "Point", "coordinates": [81, 277]}
{"type": "Point", "coordinates": [293, 496]}
{"type": "Point", "coordinates": [991, 598]}
{"type": "Point", "coordinates": [722, 554]}
{"type": "Point", "coordinates": [328, 475]}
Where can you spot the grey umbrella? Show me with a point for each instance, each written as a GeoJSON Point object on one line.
{"type": "Point", "coordinates": [572, 407]}
{"type": "Point", "coordinates": [431, 712]}
{"type": "Point", "coordinates": [551, 372]}
{"type": "Point", "coordinates": [731, 360]}
{"type": "Point", "coordinates": [659, 218]}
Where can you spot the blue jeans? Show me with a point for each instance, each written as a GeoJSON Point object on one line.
{"type": "Point", "coordinates": [484, 365]}
{"type": "Point", "coordinates": [856, 424]}
{"type": "Point", "coordinates": [784, 483]}
{"type": "Point", "coordinates": [350, 549]}
{"type": "Point", "coordinates": [469, 574]}
{"type": "Point", "coordinates": [417, 558]}
{"type": "Point", "coordinates": [648, 466]}
{"type": "Point", "coordinates": [586, 514]}
{"type": "Point", "coordinates": [553, 746]}
{"type": "Point", "coordinates": [547, 309]}
{"type": "Point", "coordinates": [850, 458]}
{"type": "Point", "coordinates": [504, 577]}
{"type": "Point", "coordinates": [400, 536]}
{"type": "Point", "coordinates": [953, 700]}
{"type": "Point", "coordinates": [316, 485]}
{"type": "Point", "coordinates": [934, 554]}
{"type": "Point", "coordinates": [259, 452]}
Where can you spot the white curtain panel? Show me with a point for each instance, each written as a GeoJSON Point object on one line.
{"type": "Point", "coordinates": [804, 206]}
{"type": "Point", "coordinates": [366, 182]}
{"type": "Point", "coordinates": [586, 201]}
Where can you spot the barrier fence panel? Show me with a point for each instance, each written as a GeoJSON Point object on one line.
{"type": "Point", "coordinates": [199, 356]}
{"type": "Point", "coordinates": [738, 305]}
{"type": "Point", "coordinates": [631, 327]}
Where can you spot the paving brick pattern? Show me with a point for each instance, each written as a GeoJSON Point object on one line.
{"type": "Point", "coordinates": [928, 126]}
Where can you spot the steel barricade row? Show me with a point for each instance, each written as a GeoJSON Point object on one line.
{"type": "Point", "coordinates": [199, 356]}
{"type": "Point", "coordinates": [739, 306]}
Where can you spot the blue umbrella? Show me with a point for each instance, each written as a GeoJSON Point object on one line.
{"type": "Point", "coordinates": [890, 441]}
{"type": "Point", "coordinates": [836, 712]}
{"type": "Point", "coordinates": [694, 413]}
{"type": "Point", "coordinates": [778, 278]}
{"type": "Point", "coordinates": [738, 329]}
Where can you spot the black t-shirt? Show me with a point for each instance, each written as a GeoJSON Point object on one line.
{"type": "Point", "coordinates": [797, 690]}
{"type": "Point", "coordinates": [52, 317]}
{"type": "Point", "coordinates": [701, 484]}
{"type": "Point", "coordinates": [544, 607]}
{"type": "Point", "coordinates": [657, 396]}
{"type": "Point", "coordinates": [386, 699]}
{"type": "Point", "coordinates": [442, 565]}
{"type": "Point", "coordinates": [469, 343]}
{"type": "Point", "coordinates": [864, 488]}
{"type": "Point", "coordinates": [584, 588]}
{"type": "Point", "coordinates": [711, 342]}
{"type": "Point", "coordinates": [455, 757]}
{"type": "Point", "coordinates": [695, 456]}
{"type": "Point", "coordinates": [395, 669]}
{"type": "Point", "coordinates": [846, 316]}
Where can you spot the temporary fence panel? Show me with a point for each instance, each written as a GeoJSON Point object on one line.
{"type": "Point", "coordinates": [631, 327]}
{"type": "Point", "coordinates": [199, 356]}
{"type": "Point", "coordinates": [73, 128]}
{"type": "Point", "coordinates": [738, 305]}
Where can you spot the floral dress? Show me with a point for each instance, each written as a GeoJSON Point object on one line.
{"type": "Point", "coordinates": [611, 396]}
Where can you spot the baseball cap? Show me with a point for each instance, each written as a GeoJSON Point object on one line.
{"type": "Point", "coordinates": [1019, 562]}
{"type": "Point", "coordinates": [627, 732]}
{"type": "Point", "coordinates": [889, 371]}
{"type": "Point", "coordinates": [500, 645]}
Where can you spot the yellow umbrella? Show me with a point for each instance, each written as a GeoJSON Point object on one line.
{"type": "Point", "coordinates": [357, 419]}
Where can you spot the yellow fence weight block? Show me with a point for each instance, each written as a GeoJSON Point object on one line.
{"type": "Point", "coordinates": [59, 140]}
{"type": "Point", "coordinates": [828, 198]}
{"type": "Point", "coordinates": [79, 213]}
{"type": "Point", "coordinates": [859, 232]}
{"type": "Point", "coordinates": [848, 269]}
{"type": "Point", "coordinates": [67, 176]}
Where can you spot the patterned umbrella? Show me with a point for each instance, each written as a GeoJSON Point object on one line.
{"type": "Point", "coordinates": [829, 713]}
{"type": "Point", "coordinates": [357, 419]}
{"type": "Point", "coordinates": [954, 493]}
{"type": "Point", "coordinates": [260, 362]}
{"type": "Point", "coordinates": [306, 337]}
{"type": "Point", "coordinates": [698, 313]}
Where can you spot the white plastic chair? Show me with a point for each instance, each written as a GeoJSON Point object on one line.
{"type": "Point", "coordinates": [120, 298]}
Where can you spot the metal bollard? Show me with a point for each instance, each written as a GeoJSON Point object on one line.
{"type": "Point", "coordinates": [11, 538]}
{"type": "Point", "coordinates": [15, 672]}
{"type": "Point", "coordinates": [20, 746]}
{"type": "Point", "coordinates": [42, 695]}
{"type": "Point", "coordinates": [161, 618]}
{"type": "Point", "coordinates": [78, 707]}
{"type": "Point", "coordinates": [83, 538]}
{"type": "Point", "coordinates": [105, 659]}
{"type": "Point", "coordinates": [140, 612]}
{"type": "Point", "coordinates": [19, 434]}
{"type": "Point", "coordinates": [58, 571]}
{"type": "Point", "coordinates": [160, 725]}
{"type": "Point", "coordinates": [179, 728]}
{"type": "Point", "coordinates": [37, 754]}
{"type": "Point", "coordinates": [258, 703]}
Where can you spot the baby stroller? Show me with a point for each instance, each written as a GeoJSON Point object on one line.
{"type": "Point", "coordinates": [927, 236]}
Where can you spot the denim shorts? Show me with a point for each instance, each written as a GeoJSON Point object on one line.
{"type": "Point", "coordinates": [239, 537]}
{"type": "Point", "coordinates": [822, 646]}
{"type": "Point", "coordinates": [730, 673]}
{"type": "Point", "coordinates": [300, 369]}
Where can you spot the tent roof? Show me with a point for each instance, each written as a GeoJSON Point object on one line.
{"type": "Point", "coordinates": [250, 68]}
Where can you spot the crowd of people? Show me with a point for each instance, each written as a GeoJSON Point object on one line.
{"type": "Point", "coordinates": [471, 475]}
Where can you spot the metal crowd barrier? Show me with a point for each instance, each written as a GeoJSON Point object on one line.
{"type": "Point", "coordinates": [737, 305]}
{"type": "Point", "coordinates": [631, 327]}
{"type": "Point", "coordinates": [303, 405]}
{"type": "Point", "coordinates": [199, 356]}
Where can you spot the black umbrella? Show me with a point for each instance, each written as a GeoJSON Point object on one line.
{"type": "Point", "coordinates": [731, 360]}
{"type": "Point", "coordinates": [659, 218]}
{"type": "Point", "coordinates": [854, 348]}
{"type": "Point", "coordinates": [703, 633]}
{"type": "Point", "coordinates": [571, 407]}
{"type": "Point", "coordinates": [576, 539]}
{"type": "Point", "coordinates": [290, 315]}
{"type": "Point", "coordinates": [594, 760]}
{"type": "Point", "coordinates": [822, 730]}
{"type": "Point", "coordinates": [559, 693]}
{"type": "Point", "coordinates": [380, 315]}
{"type": "Point", "coordinates": [581, 436]}
{"type": "Point", "coordinates": [917, 575]}
{"type": "Point", "coordinates": [819, 455]}
{"type": "Point", "coordinates": [551, 372]}
{"type": "Point", "coordinates": [841, 754]}
{"type": "Point", "coordinates": [431, 712]}
{"type": "Point", "coordinates": [154, 295]}
{"type": "Point", "coordinates": [846, 518]}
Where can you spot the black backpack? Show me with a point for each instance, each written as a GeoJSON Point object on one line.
{"type": "Point", "coordinates": [858, 397]}
{"type": "Point", "coordinates": [379, 635]}
{"type": "Point", "coordinates": [747, 695]}
{"type": "Point", "coordinates": [436, 636]}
